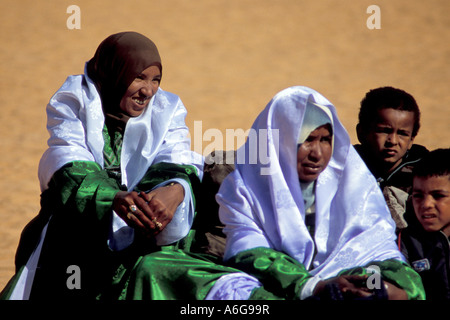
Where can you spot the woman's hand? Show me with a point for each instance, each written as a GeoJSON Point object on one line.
{"type": "Point", "coordinates": [356, 286]}
{"type": "Point", "coordinates": [348, 284]}
{"type": "Point", "coordinates": [149, 213]}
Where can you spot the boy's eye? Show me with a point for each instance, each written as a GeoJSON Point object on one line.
{"type": "Point", "coordinates": [383, 130]}
{"type": "Point", "coordinates": [417, 195]}
{"type": "Point", "coordinates": [439, 195]}
{"type": "Point", "coordinates": [404, 133]}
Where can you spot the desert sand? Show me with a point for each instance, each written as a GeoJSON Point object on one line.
{"type": "Point", "coordinates": [225, 59]}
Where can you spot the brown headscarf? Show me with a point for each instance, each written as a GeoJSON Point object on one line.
{"type": "Point", "coordinates": [119, 59]}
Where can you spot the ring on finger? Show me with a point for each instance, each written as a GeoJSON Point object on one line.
{"type": "Point", "coordinates": [157, 224]}
{"type": "Point", "coordinates": [133, 208]}
{"type": "Point", "coordinates": [130, 215]}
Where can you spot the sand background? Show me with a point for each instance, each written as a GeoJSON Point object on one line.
{"type": "Point", "coordinates": [225, 59]}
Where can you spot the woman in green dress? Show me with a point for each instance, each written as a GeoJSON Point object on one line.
{"type": "Point", "coordinates": [117, 179]}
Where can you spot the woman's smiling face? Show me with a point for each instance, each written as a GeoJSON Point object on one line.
{"type": "Point", "coordinates": [140, 91]}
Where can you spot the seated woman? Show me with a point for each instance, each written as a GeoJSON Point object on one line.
{"type": "Point", "coordinates": [307, 219]}
{"type": "Point", "coordinates": [117, 179]}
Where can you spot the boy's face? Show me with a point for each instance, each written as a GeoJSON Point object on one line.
{"type": "Point", "coordinates": [390, 136]}
{"type": "Point", "coordinates": [431, 201]}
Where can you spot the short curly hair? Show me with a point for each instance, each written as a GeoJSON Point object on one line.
{"type": "Point", "coordinates": [435, 163]}
{"type": "Point", "coordinates": [387, 97]}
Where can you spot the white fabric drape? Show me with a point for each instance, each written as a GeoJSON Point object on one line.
{"type": "Point", "coordinates": [75, 122]}
{"type": "Point", "coordinates": [261, 203]}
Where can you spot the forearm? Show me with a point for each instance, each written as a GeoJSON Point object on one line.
{"type": "Point", "coordinates": [82, 187]}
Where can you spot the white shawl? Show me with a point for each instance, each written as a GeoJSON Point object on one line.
{"type": "Point", "coordinates": [75, 123]}
{"type": "Point", "coordinates": [261, 204]}
{"type": "Point", "coordinates": [76, 120]}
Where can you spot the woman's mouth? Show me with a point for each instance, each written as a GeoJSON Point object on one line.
{"type": "Point", "coordinates": [141, 101]}
{"type": "Point", "coordinates": [312, 168]}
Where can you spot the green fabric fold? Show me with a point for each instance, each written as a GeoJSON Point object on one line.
{"type": "Point", "coordinates": [78, 205]}
{"type": "Point", "coordinates": [284, 277]}
{"type": "Point", "coordinates": [173, 275]}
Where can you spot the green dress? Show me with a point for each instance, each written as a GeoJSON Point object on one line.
{"type": "Point", "coordinates": [77, 207]}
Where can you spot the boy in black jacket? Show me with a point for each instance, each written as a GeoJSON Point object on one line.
{"type": "Point", "coordinates": [389, 120]}
{"type": "Point", "coordinates": [425, 242]}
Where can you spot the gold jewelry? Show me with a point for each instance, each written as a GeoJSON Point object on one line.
{"type": "Point", "coordinates": [158, 225]}
{"type": "Point", "coordinates": [133, 208]}
{"type": "Point", "coordinates": [129, 215]}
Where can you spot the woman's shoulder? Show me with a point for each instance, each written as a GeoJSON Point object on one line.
{"type": "Point", "coordinates": [73, 82]}
{"type": "Point", "coordinates": [74, 87]}
{"type": "Point", "coordinates": [162, 94]}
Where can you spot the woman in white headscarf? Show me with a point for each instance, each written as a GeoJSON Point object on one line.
{"type": "Point", "coordinates": [117, 178]}
{"type": "Point", "coordinates": [307, 217]}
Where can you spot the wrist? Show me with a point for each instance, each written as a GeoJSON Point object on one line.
{"type": "Point", "coordinates": [176, 185]}
{"type": "Point", "coordinates": [312, 286]}
{"type": "Point", "coordinates": [178, 188]}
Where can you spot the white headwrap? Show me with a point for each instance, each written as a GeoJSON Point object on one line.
{"type": "Point", "coordinates": [315, 116]}
{"type": "Point", "coordinates": [353, 223]}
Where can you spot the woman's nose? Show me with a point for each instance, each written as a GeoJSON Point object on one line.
{"type": "Point", "coordinates": [148, 88]}
{"type": "Point", "coordinates": [315, 151]}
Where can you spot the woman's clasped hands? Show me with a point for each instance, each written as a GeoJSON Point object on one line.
{"type": "Point", "coordinates": [149, 213]}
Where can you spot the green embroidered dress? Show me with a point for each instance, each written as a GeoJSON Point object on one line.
{"type": "Point", "coordinates": [77, 207]}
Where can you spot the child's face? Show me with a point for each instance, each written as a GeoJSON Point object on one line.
{"type": "Point", "coordinates": [390, 136]}
{"type": "Point", "coordinates": [431, 201]}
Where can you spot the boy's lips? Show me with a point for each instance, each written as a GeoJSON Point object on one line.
{"type": "Point", "coordinates": [428, 217]}
{"type": "Point", "coordinates": [390, 152]}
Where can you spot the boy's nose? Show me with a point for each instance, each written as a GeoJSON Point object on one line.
{"type": "Point", "coordinates": [427, 202]}
{"type": "Point", "coordinates": [393, 138]}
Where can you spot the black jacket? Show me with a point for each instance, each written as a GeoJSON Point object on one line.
{"type": "Point", "coordinates": [401, 177]}
{"type": "Point", "coordinates": [428, 253]}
